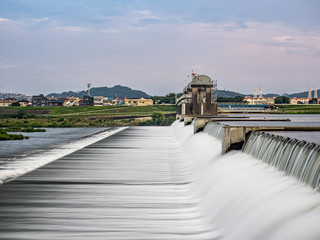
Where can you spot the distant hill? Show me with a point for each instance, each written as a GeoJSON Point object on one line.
{"type": "Point", "coordinates": [112, 92]}
{"type": "Point", "coordinates": [228, 94]}
{"type": "Point", "coordinates": [18, 96]}
{"type": "Point", "coordinates": [301, 94]}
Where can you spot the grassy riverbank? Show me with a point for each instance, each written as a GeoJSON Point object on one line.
{"type": "Point", "coordinates": [297, 109]}
{"type": "Point", "coordinates": [84, 116]}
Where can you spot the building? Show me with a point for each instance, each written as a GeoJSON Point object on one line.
{"type": "Point", "coordinates": [138, 102]}
{"type": "Point", "coordinates": [260, 100]}
{"type": "Point", "coordinates": [5, 103]}
{"type": "Point", "coordinates": [296, 100]}
{"type": "Point", "coordinates": [197, 97]}
{"type": "Point", "coordinates": [71, 101]}
{"type": "Point", "coordinates": [107, 101]}
{"type": "Point", "coordinates": [86, 101]}
{"type": "Point", "coordinates": [24, 103]}
{"type": "Point", "coordinates": [40, 100]}
{"type": "Point", "coordinates": [98, 101]}
{"type": "Point", "coordinates": [11, 100]}
{"type": "Point", "coordinates": [56, 102]}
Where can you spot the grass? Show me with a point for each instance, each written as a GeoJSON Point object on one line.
{"type": "Point", "coordinates": [298, 109]}
{"type": "Point", "coordinates": [7, 136]}
{"type": "Point", "coordinates": [85, 116]}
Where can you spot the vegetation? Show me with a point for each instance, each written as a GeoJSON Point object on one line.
{"type": "Point", "coordinates": [282, 100]}
{"type": "Point", "coordinates": [26, 129]}
{"type": "Point", "coordinates": [298, 109]}
{"type": "Point", "coordinates": [167, 99]}
{"type": "Point", "coordinates": [231, 99]}
{"type": "Point", "coordinates": [6, 136]}
{"type": "Point", "coordinates": [84, 116]}
{"type": "Point", "coordinates": [157, 118]}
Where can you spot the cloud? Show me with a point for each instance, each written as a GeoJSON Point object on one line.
{"type": "Point", "coordinates": [146, 17]}
{"type": "Point", "coordinates": [4, 20]}
{"type": "Point", "coordinates": [45, 67]}
{"type": "Point", "coordinates": [37, 20]}
{"type": "Point", "coordinates": [6, 66]}
{"type": "Point", "coordinates": [112, 30]}
{"type": "Point", "coordinates": [70, 29]}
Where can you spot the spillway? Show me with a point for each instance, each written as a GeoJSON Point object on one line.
{"type": "Point", "coordinates": [158, 183]}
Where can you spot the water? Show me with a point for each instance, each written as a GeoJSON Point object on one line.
{"type": "Point", "coordinates": [20, 157]}
{"type": "Point", "coordinates": [296, 158]}
{"type": "Point", "coordinates": [158, 183]}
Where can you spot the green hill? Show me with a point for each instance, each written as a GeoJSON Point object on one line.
{"type": "Point", "coordinates": [112, 92]}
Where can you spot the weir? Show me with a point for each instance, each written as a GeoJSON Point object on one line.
{"type": "Point", "coordinates": [158, 183]}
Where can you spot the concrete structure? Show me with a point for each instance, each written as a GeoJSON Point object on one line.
{"type": "Point", "coordinates": [255, 93]}
{"type": "Point", "coordinates": [138, 102]}
{"type": "Point", "coordinates": [197, 97]}
{"type": "Point", "coordinates": [309, 93]}
{"type": "Point", "coordinates": [260, 93]}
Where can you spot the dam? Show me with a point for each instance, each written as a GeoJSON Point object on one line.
{"type": "Point", "coordinates": [205, 177]}
{"type": "Point", "coordinates": [154, 183]}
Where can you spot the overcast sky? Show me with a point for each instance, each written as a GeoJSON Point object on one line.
{"type": "Point", "coordinates": [153, 45]}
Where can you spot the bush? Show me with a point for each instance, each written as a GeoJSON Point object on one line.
{"type": "Point", "coordinates": [6, 136]}
{"type": "Point", "coordinates": [146, 123]}
{"type": "Point", "coordinates": [157, 118]}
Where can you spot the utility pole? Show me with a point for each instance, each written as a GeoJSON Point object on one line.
{"type": "Point", "coordinates": [89, 85]}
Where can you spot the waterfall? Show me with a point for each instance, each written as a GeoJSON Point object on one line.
{"type": "Point", "coordinates": [246, 198]}
{"type": "Point", "coordinates": [214, 129]}
{"type": "Point", "coordinates": [296, 158]}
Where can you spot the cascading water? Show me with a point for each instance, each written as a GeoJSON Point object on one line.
{"type": "Point", "coordinates": [248, 199]}
{"type": "Point", "coordinates": [214, 129]}
{"type": "Point", "coordinates": [295, 158]}
{"type": "Point", "coordinates": [159, 183]}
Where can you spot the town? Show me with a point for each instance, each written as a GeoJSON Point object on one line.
{"type": "Point", "coordinates": [237, 102]}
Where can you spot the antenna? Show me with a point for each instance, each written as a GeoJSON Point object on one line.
{"type": "Point", "coordinates": [89, 85]}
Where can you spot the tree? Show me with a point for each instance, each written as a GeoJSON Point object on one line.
{"type": "Point", "coordinates": [313, 101]}
{"type": "Point", "coordinates": [230, 99]}
{"type": "Point", "coordinates": [282, 100]}
{"type": "Point", "coordinates": [157, 118]}
{"type": "Point", "coordinates": [15, 104]}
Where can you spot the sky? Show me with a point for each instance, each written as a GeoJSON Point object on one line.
{"type": "Point", "coordinates": [153, 45]}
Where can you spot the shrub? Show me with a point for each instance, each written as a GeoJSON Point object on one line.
{"type": "Point", "coordinates": [157, 118]}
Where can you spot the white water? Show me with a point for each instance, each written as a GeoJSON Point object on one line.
{"type": "Point", "coordinates": [158, 183]}
{"type": "Point", "coordinates": [20, 166]}
{"type": "Point", "coordinates": [247, 198]}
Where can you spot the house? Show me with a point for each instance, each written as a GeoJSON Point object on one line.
{"type": "Point", "coordinates": [296, 100]}
{"type": "Point", "coordinates": [56, 102]}
{"type": "Point", "coordinates": [24, 103]}
{"type": "Point", "coordinates": [97, 101]}
{"type": "Point", "coordinates": [11, 100]}
{"type": "Point", "coordinates": [86, 101]}
{"type": "Point", "coordinates": [5, 103]}
{"type": "Point", "coordinates": [71, 101]}
{"type": "Point", "coordinates": [138, 102]}
{"type": "Point", "coordinates": [40, 100]}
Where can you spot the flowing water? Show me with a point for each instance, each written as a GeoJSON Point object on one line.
{"type": "Point", "coordinates": [157, 183]}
